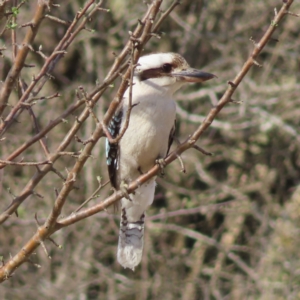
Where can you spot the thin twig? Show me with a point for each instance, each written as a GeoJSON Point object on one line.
{"type": "Point", "coordinates": [37, 130]}
{"type": "Point", "coordinates": [28, 163]}
{"type": "Point", "coordinates": [41, 241]}
{"type": "Point", "coordinates": [202, 150]}
{"type": "Point", "coordinates": [93, 196]}
{"type": "Point", "coordinates": [88, 104]}
{"type": "Point", "coordinates": [183, 170]}
{"type": "Point", "coordinates": [58, 20]}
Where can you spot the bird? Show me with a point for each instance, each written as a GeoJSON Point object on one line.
{"type": "Point", "coordinates": [146, 141]}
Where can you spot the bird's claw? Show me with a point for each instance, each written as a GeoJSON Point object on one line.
{"type": "Point", "coordinates": [124, 190]}
{"type": "Point", "coordinates": [161, 163]}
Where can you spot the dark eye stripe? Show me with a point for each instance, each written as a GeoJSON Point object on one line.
{"type": "Point", "coordinates": [157, 72]}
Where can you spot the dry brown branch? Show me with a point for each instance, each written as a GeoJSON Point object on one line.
{"type": "Point", "coordinates": [55, 19]}
{"type": "Point", "coordinates": [93, 196]}
{"type": "Point", "coordinates": [22, 54]}
{"type": "Point", "coordinates": [37, 130]}
{"type": "Point", "coordinates": [28, 163]}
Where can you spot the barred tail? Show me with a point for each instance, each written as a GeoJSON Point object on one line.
{"type": "Point", "coordinates": [131, 241]}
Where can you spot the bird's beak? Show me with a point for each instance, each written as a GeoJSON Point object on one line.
{"type": "Point", "coordinates": [193, 75]}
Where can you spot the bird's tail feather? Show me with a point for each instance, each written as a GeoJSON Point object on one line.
{"type": "Point", "coordinates": [131, 241]}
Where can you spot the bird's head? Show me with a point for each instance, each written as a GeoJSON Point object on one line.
{"type": "Point", "coordinates": [168, 71]}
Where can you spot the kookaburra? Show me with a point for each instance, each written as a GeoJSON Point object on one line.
{"type": "Point", "coordinates": [146, 141]}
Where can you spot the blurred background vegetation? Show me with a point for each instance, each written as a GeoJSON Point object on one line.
{"type": "Point", "coordinates": [228, 228]}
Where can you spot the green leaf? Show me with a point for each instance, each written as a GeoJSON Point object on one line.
{"type": "Point", "coordinates": [15, 11]}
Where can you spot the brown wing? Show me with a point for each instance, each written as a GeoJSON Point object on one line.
{"type": "Point", "coordinates": [171, 137]}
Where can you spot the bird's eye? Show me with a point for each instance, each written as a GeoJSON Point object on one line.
{"type": "Point", "coordinates": [167, 68]}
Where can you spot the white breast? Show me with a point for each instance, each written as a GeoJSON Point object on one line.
{"type": "Point", "coordinates": [147, 135]}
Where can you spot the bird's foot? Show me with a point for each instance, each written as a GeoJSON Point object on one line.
{"type": "Point", "coordinates": [161, 163]}
{"type": "Point", "coordinates": [124, 189]}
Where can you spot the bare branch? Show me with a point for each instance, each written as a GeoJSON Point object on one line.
{"type": "Point", "coordinates": [21, 55]}
{"type": "Point", "coordinates": [93, 196]}
{"type": "Point", "coordinates": [58, 20]}
{"type": "Point", "coordinates": [15, 163]}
